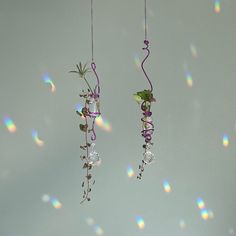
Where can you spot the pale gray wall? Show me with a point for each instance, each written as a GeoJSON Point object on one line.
{"type": "Point", "coordinates": [50, 36]}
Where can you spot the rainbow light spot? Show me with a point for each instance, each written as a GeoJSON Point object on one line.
{"type": "Point", "coordinates": [90, 221]}
{"type": "Point", "coordinates": [56, 204]}
{"type": "Point", "coordinates": [189, 79]}
{"type": "Point", "coordinates": [103, 124]}
{"type": "Point", "coordinates": [137, 61]}
{"type": "Point", "coordinates": [225, 140]}
{"type": "Point", "coordinates": [167, 187]}
{"type": "Point", "coordinates": [200, 203]}
{"type": "Point", "coordinates": [100, 121]}
{"type": "Point", "coordinates": [140, 222]}
{"type": "Point", "coordinates": [217, 7]}
{"type": "Point", "coordinates": [205, 214]}
{"type": "Point", "coordinates": [79, 108]}
{"type": "Point", "coordinates": [193, 50]}
{"type": "Point", "coordinates": [211, 214]}
{"type": "Point", "coordinates": [38, 141]}
{"type": "Point", "coordinates": [9, 124]}
{"type": "Point", "coordinates": [45, 198]}
{"type": "Point", "coordinates": [99, 231]}
{"type": "Point", "coordinates": [130, 172]}
{"type": "Point", "coordinates": [231, 231]}
{"type": "Point", "coordinates": [182, 224]}
{"type": "Point", "coordinates": [48, 80]}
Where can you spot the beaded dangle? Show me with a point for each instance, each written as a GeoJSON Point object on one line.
{"type": "Point", "coordinates": [89, 113]}
{"type": "Point", "coordinates": [145, 98]}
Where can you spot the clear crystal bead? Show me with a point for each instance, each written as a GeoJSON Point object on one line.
{"type": "Point", "coordinates": [148, 146]}
{"type": "Point", "coordinates": [148, 157]}
{"type": "Point", "coordinates": [94, 106]}
{"type": "Point", "coordinates": [94, 158]}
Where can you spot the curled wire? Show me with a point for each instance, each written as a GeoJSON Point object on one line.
{"type": "Point", "coordinates": [93, 136]}
{"type": "Point", "coordinates": [146, 48]}
{"type": "Point", "coordinates": [95, 95]}
{"type": "Point", "coordinates": [97, 87]}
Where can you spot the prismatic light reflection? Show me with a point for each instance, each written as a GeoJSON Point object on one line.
{"type": "Point", "coordinates": [205, 213]}
{"type": "Point", "coordinates": [36, 138]}
{"type": "Point", "coordinates": [182, 224]}
{"type": "Point", "coordinates": [137, 61]}
{"type": "Point", "coordinates": [231, 231]}
{"type": "Point", "coordinates": [46, 198]}
{"type": "Point", "coordinates": [100, 121]}
{"type": "Point", "coordinates": [225, 140]}
{"type": "Point", "coordinates": [200, 203]}
{"type": "Point", "coordinates": [189, 79]}
{"type": "Point", "coordinates": [90, 221]}
{"type": "Point", "coordinates": [99, 231]}
{"type": "Point", "coordinates": [166, 186]}
{"type": "Point", "coordinates": [47, 79]}
{"type": "Point", "coordinates": [9, 124]}
{"type": "Point", "coordinates": [140, 222]}
{"type": "Point", "coordinates": [130, 171]}
{"type": "Point", "coordinates": [188, 76]}
{"type": "Point", "coordinates": [217, 7]}
{"type": "Point", "coordinates": [53, 200]}
{"type": "Point", "coordinates": [193, 50]}
{"type": "Point", "coordinates": [103, 124]}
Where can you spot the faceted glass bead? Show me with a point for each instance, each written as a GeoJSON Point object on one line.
{"type": "Point", "coordinates": [148, 157]}
{"type": "Point", "coordinates": [148, 146]}
{"type": "Point", "coordinates": [94, 158]}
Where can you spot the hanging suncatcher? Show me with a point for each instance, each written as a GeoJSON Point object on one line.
{"type": "Point", "coordinates": [145, 98]}
{"type": "Point", "coordinates": [89, 113]}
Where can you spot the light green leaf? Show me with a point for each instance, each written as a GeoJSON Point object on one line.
{"type": "Point", "coordinates": [137, 98]}
{"type": "Point", "coordinates": [146, 95]}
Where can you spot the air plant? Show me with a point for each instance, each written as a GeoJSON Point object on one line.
{"type": "Point", "coordinates": [88, 113]}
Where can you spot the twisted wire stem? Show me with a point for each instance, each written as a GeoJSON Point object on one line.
{"type": "Point", "coordinates": [97, 88]}
{"type": "Point", "coordinates": [146, 48]}
{"type": "Point", "coordinates": [95, 95]}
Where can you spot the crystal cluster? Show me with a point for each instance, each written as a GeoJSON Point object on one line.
{"type": "Point", "coordinates": [93, 158]}
{"type": "Point", "coordinates": [148, 156]}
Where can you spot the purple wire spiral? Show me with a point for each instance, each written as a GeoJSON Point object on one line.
{"type": "Point", "coordinates": [148, 125]}
{"type": "Point", "coordinates": [148, 128]}
{"type": "Point", "coordinates": [93, 66]}
{"type": "Point", "coordinates": [95, 95]}
{"type": "Point", "coordinates": [146, 42]}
